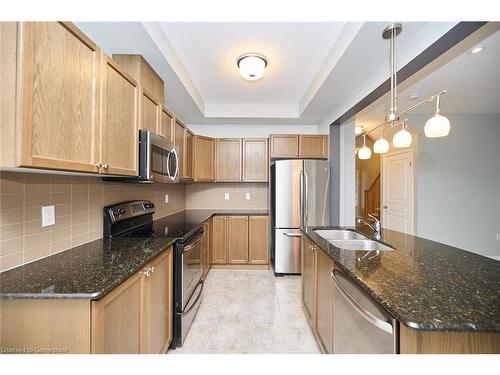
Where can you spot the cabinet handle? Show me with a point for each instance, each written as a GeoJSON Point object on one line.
{"type": "Point", "coordinates": [105, 166]}
{"type": "Point", "coordinates": [152, 269]}
{"type": "Point", "coordinates": [98, 166]}
{"type": "Point", "coordinates": [147, 272]}
{"type": "Point", "coordinates": [225, 218]}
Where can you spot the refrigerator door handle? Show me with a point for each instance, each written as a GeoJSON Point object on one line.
{"type": "Point", "coordinates": [302, 198]}
{"type": "Point", "coordinates": [292, 234]}
{"type": "Point", "coordinates": [306, 198]}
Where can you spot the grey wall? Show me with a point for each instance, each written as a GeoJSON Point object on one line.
{"type": "Point", "coordinates": [335, 174]}
{"type": "Point", "coordinates": [457, 183]}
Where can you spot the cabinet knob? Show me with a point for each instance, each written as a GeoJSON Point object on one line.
{"type": "Point", "coordinates": [99, 166]}
{"type": "Point", "coordinates": [152, 269]}
{"type": "Point", "coordinates": [225, 218]}
{"type": "Point", "coordinates": [105, 166]}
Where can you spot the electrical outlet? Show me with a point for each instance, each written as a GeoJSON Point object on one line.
{"type": "Point", "coordinates": [226, 196]}
{"type": "Point", "coordinates": [247, 196]}
{"type": "Point", "coordinates": [166, 198]}
{"type": "Point", "coordinates": [48, 216]}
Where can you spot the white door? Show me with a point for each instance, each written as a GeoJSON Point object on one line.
{"type": "Point", "coordinates": [398, 191]}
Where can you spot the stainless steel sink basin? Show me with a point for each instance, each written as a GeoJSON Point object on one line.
{"type": "Point", "coordinates": [362, 245]}
{"type": "Point", "coordinates": [339, 234]}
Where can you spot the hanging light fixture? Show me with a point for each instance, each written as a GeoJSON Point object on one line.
{"type": "Point", "coordinates": [437, 125]}
{"type": "Point", "coordinates": [381, 146]}
{"type": "Point", "coordinates": [364, 152]}
{"type": "Point", "coordinates": [402, 138]}
{"type": "Point", "coordinates": [252, 66]}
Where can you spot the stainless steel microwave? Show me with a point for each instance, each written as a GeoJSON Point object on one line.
{"type": "Point", "coordinates": [158, 160]}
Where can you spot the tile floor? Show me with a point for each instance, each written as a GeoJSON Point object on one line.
{"type": "Point", "coordinates": [250, 311]}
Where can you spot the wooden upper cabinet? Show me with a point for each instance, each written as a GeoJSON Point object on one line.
{"type": "Point", "coordinates": [258, 240]}
{"type": "Point", "coordinates": [325, 290]}
{"type": "Point", "coordinates": [284, 145]}
{"type": "Point", "coordinates": [119, 117]}
{"type": "Point", "coordinates": [238, 240]}
{"type": "Point", "coordinates": [179, 143]}
{"type": "Point", "coordinates": [158, 305]}
{"type": "Point", "coordinates": [166, 125]}
{"type": "Point", "coordinates": [255, 160]}
{"type": "Point", "coordinates": [313, 146]}
{"type": "Point", "coordinates": [152, 90]}
{"type": "Point", "coordinates": [117, 319]}
{"type": "Point", "coordinates": [57, 99]}
{"type": "Point", "coordinates": [219, 240]}
{"type": "Point", "coordinates": [188, 156]}
{"type": "Point", "coordinates": [203, 158]}
{"type": "Point", "coordinates": [229, 159]}
{"type": "Point", "coordinates": [309, 279]}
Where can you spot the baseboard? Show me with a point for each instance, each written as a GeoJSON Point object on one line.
{"type": "Point", "coordinates": [241, 266]}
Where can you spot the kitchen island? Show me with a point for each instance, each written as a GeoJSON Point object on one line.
{"type": "Point", "coordinates": [444, 298]}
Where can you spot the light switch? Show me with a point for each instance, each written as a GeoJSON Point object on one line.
{"type": "Point", "coordinates": [247, 196]}
{"type": "Point", "coordinates": [48, 216]}
{"type": "Point", "coordinates": [226, 196]}
{"type": "Point", "coordinates": [166, 198]}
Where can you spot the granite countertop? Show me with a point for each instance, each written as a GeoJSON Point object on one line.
{"type": "Point", "coordinates": [91, 270]}
{"type": "Point", "coordinates": [424, 284]}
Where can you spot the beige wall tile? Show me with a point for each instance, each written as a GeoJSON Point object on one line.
{"type": "Point", "coordinates": [11, 216]}
{"type": "Point", "coordinates": [12, 183]}
{"type": "Point", "coordinates": [10, 231]}
{"type": "Point", "coordinates": [36, 240]}
{"type": "Point", "coordinates": [42, 199]}
{"type": "Point", "coordinates": [11, 201]}
{"type": "Point", "coordinates": [11, 246]}
{"type": "Point", "coordinates": [36, 253]}
{"type": "Point", "coordinates": [11, 260]}
{"type": "Point", "coordinates": [61, 245]}
{"type": "Point", "coordinates": [60, 234]}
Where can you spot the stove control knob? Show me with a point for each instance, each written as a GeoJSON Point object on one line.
{"type": "Point", "coordinates": [122, 211]}
{"type": "Point", "coordinates": [116, 212]}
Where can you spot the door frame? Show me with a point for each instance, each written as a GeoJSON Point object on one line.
{"type": "Point", "coordinates": [411, 208]}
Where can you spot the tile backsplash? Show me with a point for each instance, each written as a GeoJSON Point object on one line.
{"type": "Point", "coordinates": [211, 195]}
{"type": "Point", "coordinates": [78, 211]}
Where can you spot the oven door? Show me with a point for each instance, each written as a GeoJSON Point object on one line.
{"type": "Point", "coordinates": [158, 158]}
{"type": "Point", "coordinates": [192, 266]}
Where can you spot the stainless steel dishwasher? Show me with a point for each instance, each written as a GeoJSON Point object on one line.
{"type": "Point", "coordinates": [360, 325]}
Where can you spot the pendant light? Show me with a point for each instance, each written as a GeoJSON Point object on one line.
{"type": "Point", "coordinates": [381, 146]}
{"type": "Point", "coordinates": [402, 138]}
{"type": "Point", "coordinates": [364, 152]}
{"type": "Point", "coordinates": [438, 125]}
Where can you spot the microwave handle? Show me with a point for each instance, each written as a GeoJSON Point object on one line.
{"type": "Point", "coordinates": [176, 173]}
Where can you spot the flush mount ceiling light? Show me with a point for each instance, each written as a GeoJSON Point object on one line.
{"type": "Point", "coordinates": [436, 126]}
{"type": "Point", "coordinates": [364, 152]}
{"type": "Point", "coordinates": [252, 66]}
{"type": "Point", "coordinates": [358, 130]}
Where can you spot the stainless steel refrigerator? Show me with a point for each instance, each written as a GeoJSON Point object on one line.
{"type": "Point", "coordinates": [300, 197]}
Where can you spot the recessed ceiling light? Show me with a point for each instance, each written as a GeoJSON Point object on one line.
{"type": "Point", "coordinates": [477, 50]}
{"type": "Point", "coordinates": [414, 96]}
{"type": "Point", "coordinates": [252, 66]}
{"type": "Point", "coordinates": [358, 130]}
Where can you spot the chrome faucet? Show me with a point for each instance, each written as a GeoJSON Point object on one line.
{"type": "Point", "coordinates": [375, 227]}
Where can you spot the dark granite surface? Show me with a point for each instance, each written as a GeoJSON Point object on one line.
{"type": "Point", "coordinates": [91, 270]}
{"type": "Point", "coordinates": [424, 284]}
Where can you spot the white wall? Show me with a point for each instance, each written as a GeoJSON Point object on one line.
{"type": "Point", "coordinates": [457, 183]}
{"type": "Point", "coordinates": [250, 131]}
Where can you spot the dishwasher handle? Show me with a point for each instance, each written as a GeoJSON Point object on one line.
{"type": "Point", "coordinates": [379, 323]}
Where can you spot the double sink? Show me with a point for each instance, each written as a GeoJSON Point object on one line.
{"type": "Point", "coordinates": [351, 240]}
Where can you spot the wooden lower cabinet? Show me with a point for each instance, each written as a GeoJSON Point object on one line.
{"type": "Point", "coordinates": [309, 279]}
{"type": "Point", "coordinates": [258, 240]}
{"type": "Point", "coordinates": [136, 317]}
{"type": "Point", "coordinates": [324, 309]}
{"type": "Point", "coordinates": [238, 240]}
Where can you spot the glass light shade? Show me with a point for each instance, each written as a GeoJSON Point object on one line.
{"type": "Point", "coordinates": [437, 126]}
{"type": "Point", "coordinates": [364, 153]}
{"type": "Point", "coordinates": [402, 139]}
{"type": "Point", "coordinates": [381, 146]}
{"type": "Point", "coordinates": [358, 130]}
{"type": "Point", "coordinates": [252, 67]}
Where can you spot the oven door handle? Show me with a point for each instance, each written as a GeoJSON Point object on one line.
{"type": "Point", "coordinates": [196, 300]}
{"type": "Point", "coordinates": [193, 244]}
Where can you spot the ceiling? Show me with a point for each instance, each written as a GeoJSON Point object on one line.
{"type": "Point", "coordinates": [314, 68]}
{"type": "Point", "coordinates": [472, 81]}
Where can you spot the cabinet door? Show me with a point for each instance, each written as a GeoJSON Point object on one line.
{"type": "Point", "coordinates": [203, 159]}
{"type": "Point", "coordinates": [309, 279]}
{"type": "Point", "coordinates": [116, 319]}
{"type": "Point", "coordinates": [188, 155]}
{"type": "Point", "coordinates": [59, 97]}
{"type": "Point", "coordinates": [158, 300]}
{"type": "Point", "coordinates": [258, 240]}
{"type": "Point", "coordinates": [228, 159]}
{"type": "Point", "coordinates": [179, 143]}
{"type": "Point", "coordinates": [238, 240]}
{"type": "Point", "coordinates": [313, 146]}
{"type": "Point", "coordinates": [219, 240]}
{"type": "Point", "coordinates": [284, 145]}
{"type": "Point", "coordinates": [119, 130]}
{"type": "Point", "coordinates": [255, 160]}
{"type": "Point", "coordinates": [150, 112]}
{"type": "Point", "coordinates": [324, 314]}
{"type": "Point", "coordinates": [166, 125]}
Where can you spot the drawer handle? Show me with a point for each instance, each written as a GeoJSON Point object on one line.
{"type": "Point", "coordinates": [384, 326]}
